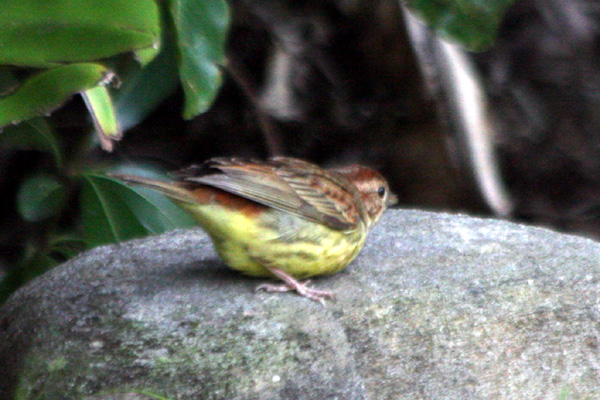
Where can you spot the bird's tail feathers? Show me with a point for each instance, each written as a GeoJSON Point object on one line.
{"type": "Point", "coordinates": [172, 190]}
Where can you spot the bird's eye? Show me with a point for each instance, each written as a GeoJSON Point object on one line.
{"type": "Point", "coordinates": [381, 191]}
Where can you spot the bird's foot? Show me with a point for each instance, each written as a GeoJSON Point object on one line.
{"type": "Point", "coordinates": [291, 284]}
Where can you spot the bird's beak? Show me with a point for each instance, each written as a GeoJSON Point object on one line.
{"type": "Point", "coordinates": [392, 199]}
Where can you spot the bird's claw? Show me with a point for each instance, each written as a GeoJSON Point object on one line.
{"type": "Point", "coordinates": [301, 288]}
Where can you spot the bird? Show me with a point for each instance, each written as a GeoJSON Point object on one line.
{"type": "Point", "coordinates": [282, 218]}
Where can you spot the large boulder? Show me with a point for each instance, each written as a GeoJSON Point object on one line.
{"type": "Point", "coordinates": [435, 307]}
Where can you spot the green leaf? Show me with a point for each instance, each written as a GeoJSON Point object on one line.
{"type": "Point", "coordinates": [114, 212]}
{"type": "Point", "coordinates": [66, 246]}
{"type": "Point", "coordinates": [46, 91]}
{"type": "Point", "coordinates": [40, 197]}
{"type": "Point", "coordinates": [472, 23]}
{"type": "Point", "coordinates": [145, 88]}
{"type": "Point", "coordinates": [42, 33]}
{"type": "Point", "coordinates": [146, 55]}
{"type": "Point", "coordinates": [101, 108]}
{"type": "Point", "coordinates": [33, 134]}
{"type": "Point", "coordinates": [201, 28]}
{"type": "Point", "coordinates": [105, 219]}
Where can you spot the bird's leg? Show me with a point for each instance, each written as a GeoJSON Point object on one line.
{"type": "Point", "coordinates": [290, 283]}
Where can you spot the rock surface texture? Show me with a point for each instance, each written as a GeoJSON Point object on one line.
{"type": "Point", "coordinates": [435, 307]}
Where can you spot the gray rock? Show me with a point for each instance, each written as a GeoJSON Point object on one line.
{"type": "Point", "coordinates": [436, 307]}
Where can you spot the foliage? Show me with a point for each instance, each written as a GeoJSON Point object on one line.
{"type": "Point", "coordinates": [472, 23]}
{"type": "Point", "coordinates": [124, 58]}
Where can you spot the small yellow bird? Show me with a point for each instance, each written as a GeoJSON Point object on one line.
{"type": "Point", "coordinates": [283, 218]}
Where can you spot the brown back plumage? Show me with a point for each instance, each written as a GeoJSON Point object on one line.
{"type": "Point", "coordinates": [286, 184]}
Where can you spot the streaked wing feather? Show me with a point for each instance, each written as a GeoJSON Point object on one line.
{"type": "Point", "coordinates": [284, 184]}
{"type": "Point", "coordinates": [315, 198]}
{"type": "Point", "coordinates": [330, 194]}
{"type": "Point", "coordinates": [261, 191]}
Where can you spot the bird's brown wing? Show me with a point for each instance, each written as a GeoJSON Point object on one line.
{"type": "Point", "coordinates": [286, 184]}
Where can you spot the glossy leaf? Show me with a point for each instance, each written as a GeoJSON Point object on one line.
{"type": "Point", "coordinates": [33, 134]}
{"type": "Point", "coordinates": [472, 23]}
{"type": "Point", "coordinates": [40, 197]}
{"type": "Point", "coordinates": [113, 211]}
{"type": "Point", "coordinates": [42, 33]}
{"type": "Point", "coordinates": [46, 91]}
{"type": "Point", "coordinates": [145, 88]}
{"type": "Point", "coordinates": [201, 28]}
{"type": "Point", "coordinates": [100, 106]}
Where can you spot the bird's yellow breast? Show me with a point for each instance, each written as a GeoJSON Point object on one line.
{"type": "Point", "coordinates": [278, 239]}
